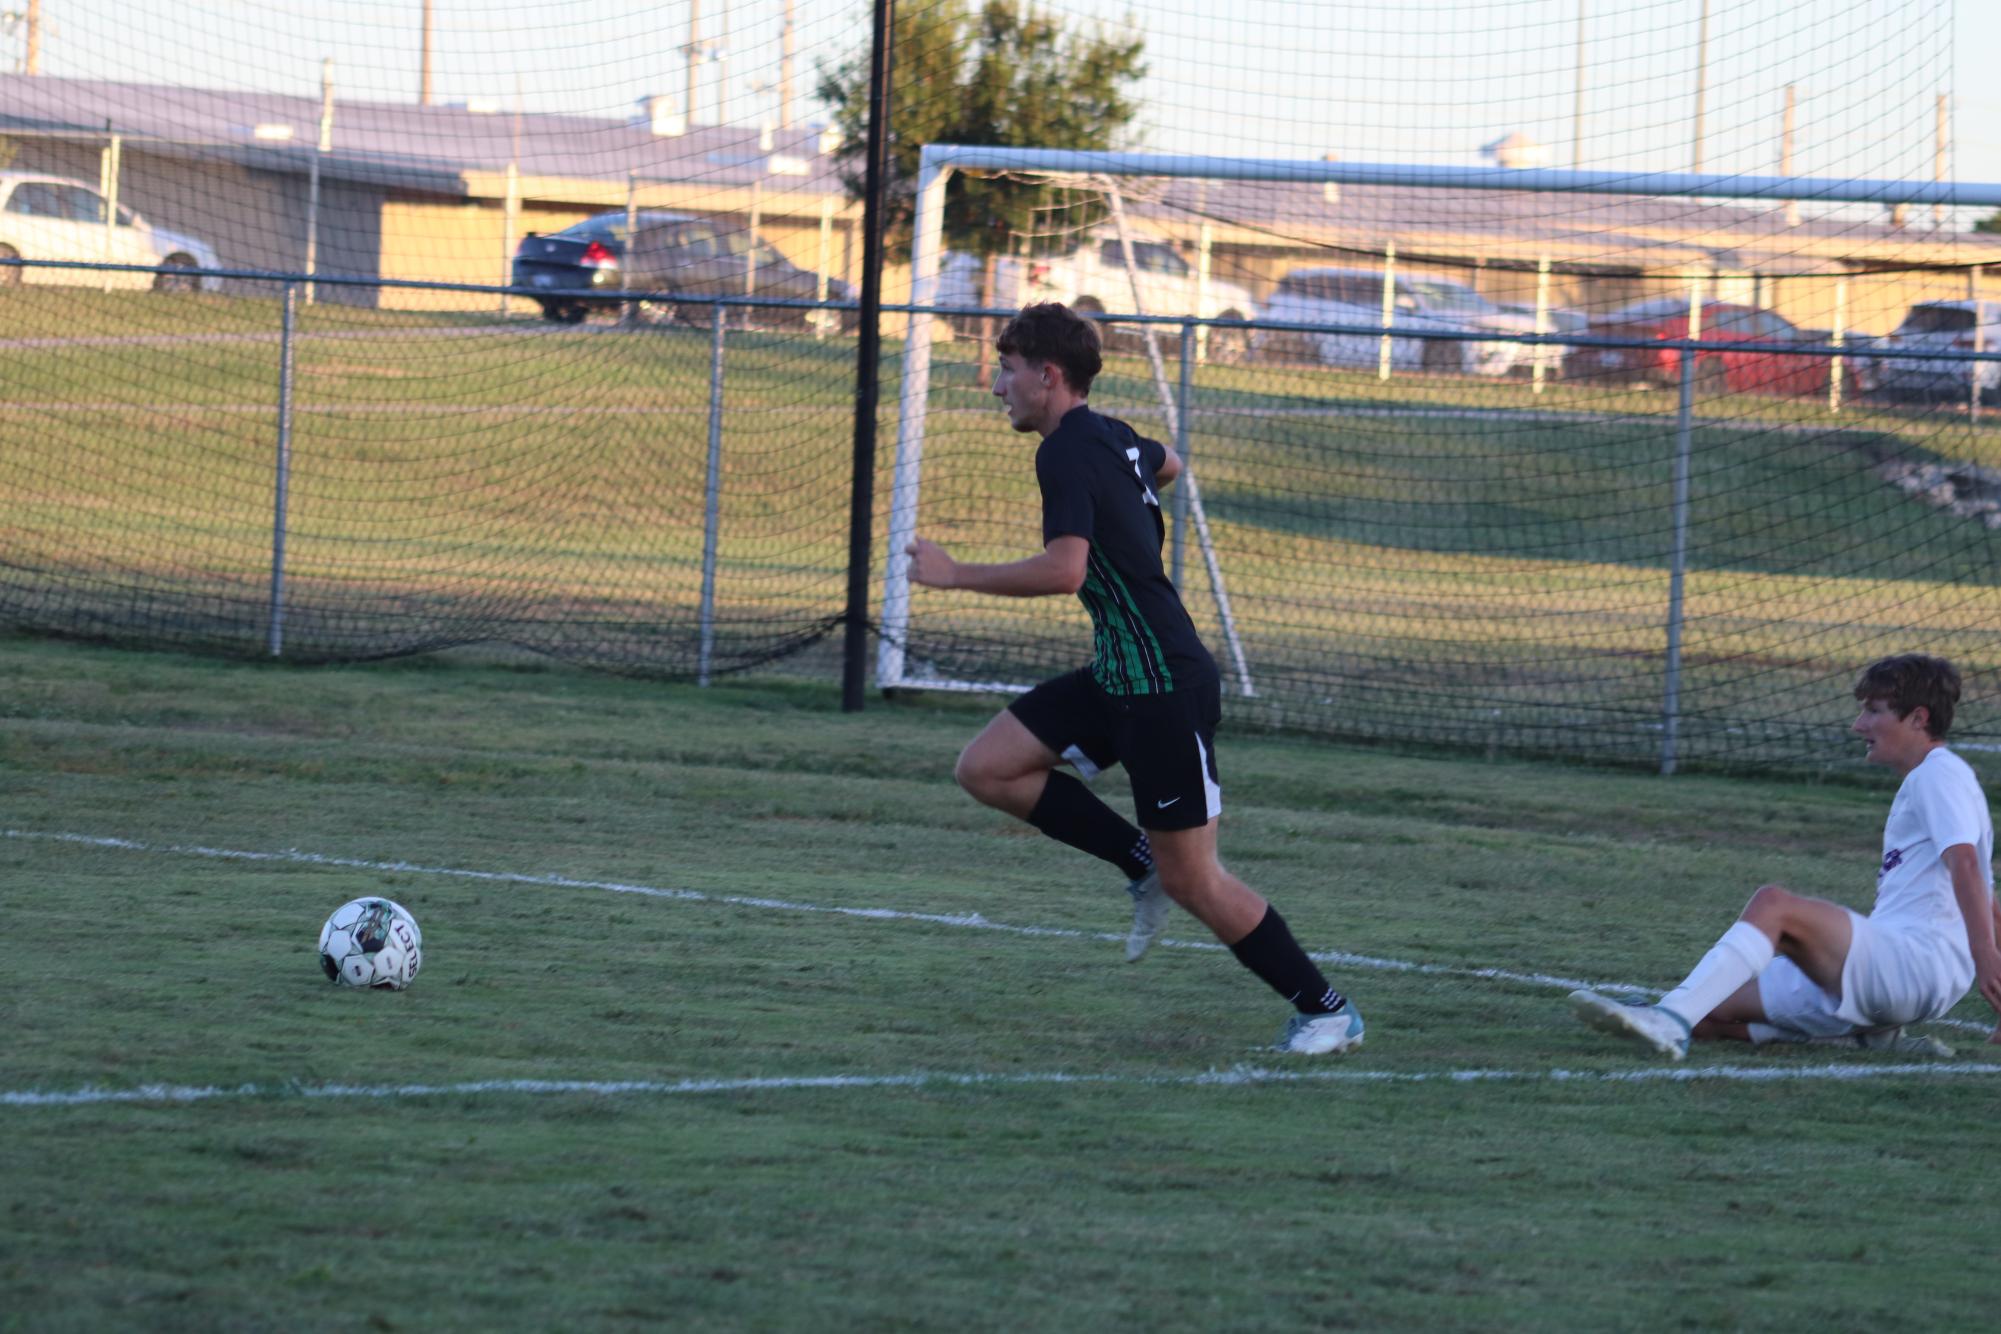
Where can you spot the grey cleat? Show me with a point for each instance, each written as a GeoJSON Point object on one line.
{"type": "Point", "coordinates": [1150, 905]}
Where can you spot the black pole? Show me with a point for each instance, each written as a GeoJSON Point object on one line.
{"type": "Point", "coordinates": [868, 363]}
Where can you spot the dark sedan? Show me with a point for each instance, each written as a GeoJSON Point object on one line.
{"type": "Point", "coordinates": [673, 254]}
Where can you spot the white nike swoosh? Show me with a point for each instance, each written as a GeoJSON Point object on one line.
{"type": "Point", "coordinates": [1163, 805]}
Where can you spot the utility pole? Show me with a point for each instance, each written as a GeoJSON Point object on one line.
{"type": "Point", "coordinates": [424, 60]}
{"type": "Point", "coordinates": [693, 50]}
{"type": "Point", "coordinates": [1577, 110]}
{"type": "Point", "coordinates": [1701, 84]}
{"type": "Point", "coordinates": [1786, 154]}
{"type": "Point", "coordinates": [785, 69]}
{"type": "Point", "coordinates": [31, 62]}
{"type": "Point", "coordinates": [1938, 159]}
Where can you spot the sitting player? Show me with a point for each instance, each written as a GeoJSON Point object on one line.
{"type": "Point", "coordinates": [1840, 976]}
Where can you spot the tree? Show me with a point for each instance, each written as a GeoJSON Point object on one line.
{"type": "Point", "coordinates": [997, 75]}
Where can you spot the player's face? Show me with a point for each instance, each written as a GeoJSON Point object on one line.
{"type": "Point", "coordinates": [1899, 743]}
{"type": "Point", "coordinates": [1023, 388]}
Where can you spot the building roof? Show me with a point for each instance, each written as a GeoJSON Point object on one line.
{"type": "Point", "coordinates": [461, 152]}
{"type": "Point", "coordinates": [452, 149]}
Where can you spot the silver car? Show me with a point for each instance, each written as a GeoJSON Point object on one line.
{"type": "Point", "coordinates": [1949, 329]}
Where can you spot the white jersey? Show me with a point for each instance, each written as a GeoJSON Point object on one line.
{"type": "Point", "coordinates": [1909, 960]}
{"type": "Point", "coordinates": [1939, 805]}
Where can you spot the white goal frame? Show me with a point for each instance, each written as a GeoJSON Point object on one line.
{"type": "Point", "coordinates": [937, 162]}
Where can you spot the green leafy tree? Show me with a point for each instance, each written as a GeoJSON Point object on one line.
{"type": "Point", "coordinates": [999, 74]}
{"type": "Point", "coordinates": [1989, 224]}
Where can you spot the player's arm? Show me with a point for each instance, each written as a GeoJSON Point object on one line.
{"type": "Point", "coordinates": [1057, 568]}
{"type": "Point", "coordinates": [1169, 469]}
{"type": "Point", "coordinates": [1976, 905]}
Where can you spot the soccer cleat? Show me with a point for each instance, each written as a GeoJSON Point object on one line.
{"type": "Point", "coordinates": [1650, 1024]}
{"type": "Point", "coordinates": [1897, 1040]}
{"type": "Point", "coordinates": [1150, 905]}
{"type": "Point", "coordinates": [1321, 1034]}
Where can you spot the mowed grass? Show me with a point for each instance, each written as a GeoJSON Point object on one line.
{"type": "Point", "coordinates": [1061, 1154]}
{"type": "Point", "coordinates": [1439, 557]}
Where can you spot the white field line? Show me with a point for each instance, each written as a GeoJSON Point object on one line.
{"type": "Point", "coordinates": [1238, 1077]}
{"type": "Point", "coordinates": [967, 921]}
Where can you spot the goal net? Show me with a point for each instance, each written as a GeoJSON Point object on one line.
{"type": "Point", "coordinates": [1413, 511]}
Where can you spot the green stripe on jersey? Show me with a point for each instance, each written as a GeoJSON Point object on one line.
{"type": "Point", "coordinates": [1128, 658]}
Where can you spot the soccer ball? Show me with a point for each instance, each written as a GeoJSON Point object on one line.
{"type": "Point", "coordinates": [371, 943]}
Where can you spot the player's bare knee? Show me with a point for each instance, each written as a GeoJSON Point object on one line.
{"type": "Point", "coordinates": [981, 781]}
{"type": "Point", "coordinates": [1769, 909]}
{"type": "Point", "coordinates": [968, 773]}
{"type": "Point", "coordinates": [1181, 883]}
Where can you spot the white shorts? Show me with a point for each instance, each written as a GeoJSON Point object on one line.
{"type": "Point", "coordinates": [1891, 977]}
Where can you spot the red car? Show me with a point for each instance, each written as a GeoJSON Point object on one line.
{"type": "Point", "coordinates": [1724, 371]}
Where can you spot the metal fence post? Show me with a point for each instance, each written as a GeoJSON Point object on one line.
{"type": "Point", "coordinates": [1974, 368]}
{"type": "Point", "coordinates": [1181, 432]}
{"type": "Point", "coordinates": [1540, 354]}
{"type": "Point", "coordinates": [1385, 352]}
{"type": "Point", "coordinates": [712, 493]}
{"type": "Point", "coordinates": [1678, 563]}
{"type": "Point", "coordinates": [275, 632]}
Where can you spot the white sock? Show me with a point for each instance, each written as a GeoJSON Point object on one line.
{"type": "Point", "coordinates": [1739, 955]}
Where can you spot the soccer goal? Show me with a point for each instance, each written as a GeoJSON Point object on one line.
{"type": "Point", "coordinates": [1432, 499]}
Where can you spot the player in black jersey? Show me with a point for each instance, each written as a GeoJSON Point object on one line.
{"type": "Point", "coordinates": [1150, 698]}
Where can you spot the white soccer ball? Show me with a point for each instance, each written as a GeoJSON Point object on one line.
{"type": "Point", "coordinates": [371, 943]}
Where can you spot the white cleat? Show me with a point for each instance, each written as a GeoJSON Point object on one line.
{"type": "Point", "coordinates": [1649, 1024]}
{"type": "Point", "coordinates": [1150, 905]}
{"type": "Point", "coordinates": [1322, 1034]}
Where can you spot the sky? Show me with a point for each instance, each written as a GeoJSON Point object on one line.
{"type": "Point", "coordinates": [1415, 81]}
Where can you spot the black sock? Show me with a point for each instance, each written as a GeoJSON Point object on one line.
{"type": "Point", "coordinates": [1068, 812]}
{"type": "Point", "coordinates": [1271, 952]}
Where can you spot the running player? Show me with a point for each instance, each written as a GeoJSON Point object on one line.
{"type": "Point", "coordinates": [1150, 698]}
{"type": "Point", "coordinates": [1839, 976]}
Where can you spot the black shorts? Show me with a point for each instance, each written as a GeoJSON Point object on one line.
{"type": "Point", "coordinates": [1166, 742]}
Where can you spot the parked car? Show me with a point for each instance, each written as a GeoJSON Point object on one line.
{"type": "Point", "coordinates": [1556, 320]}
{"type": "Point", "coordinates": [1945, 328]}
{"type": "Point", "coordinates": [674, 254]}
{"type": "Point", "coordinates": [54, 217]}
{"type": "Point", "coordinates": [1727, 371]}
{"type": "Point", "coordinates": [1419, 303]}
{"type": "Point", "coordinates": [1094, 279]}
{"type": "Point", "coordinates": [1351, 296]}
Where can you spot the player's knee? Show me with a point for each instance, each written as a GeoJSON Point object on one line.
{"type": "Point", "coordinates": [1186, 882]}
{"type": "Point", "coordinates": [972, 774]}
{"type": "Point", "coordinates": [1770, 901]}
{"type": "Point", "coordinates": [983, 781]}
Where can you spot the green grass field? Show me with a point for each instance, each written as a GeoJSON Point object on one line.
{"type": "Point", "coordinates": [736, 1014]}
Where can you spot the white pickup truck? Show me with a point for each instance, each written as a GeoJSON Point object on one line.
{"type": "Point", "coordinates": [1094, 279]}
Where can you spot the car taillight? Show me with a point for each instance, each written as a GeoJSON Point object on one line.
{"type": "Point", "coordinates": [597, 257]}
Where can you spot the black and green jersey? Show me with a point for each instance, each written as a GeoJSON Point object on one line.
{"type": "Point", "coordinates": [1097, 476]}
